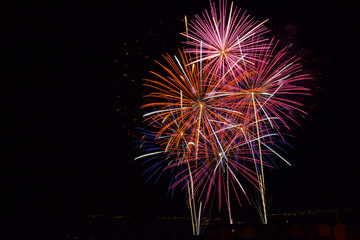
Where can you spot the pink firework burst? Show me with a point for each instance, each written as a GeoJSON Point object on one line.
{"type": "Point", "coordinates": [227, 39]}
{"type": "Point", "coordinates": [268, 88]}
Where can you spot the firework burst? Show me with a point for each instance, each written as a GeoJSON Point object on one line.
{"type": "Point", "coordinates": [228, 40]}
{"type": "Point", "coordinates": [216, 113]}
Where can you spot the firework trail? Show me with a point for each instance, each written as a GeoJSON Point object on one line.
{"type": "Point", "coordinates": [217, 111]}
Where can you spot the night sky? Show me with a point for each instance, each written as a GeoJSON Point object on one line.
{"type": "Point", "coordinates": [75, 91]}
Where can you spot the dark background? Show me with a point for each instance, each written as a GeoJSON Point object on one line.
{"type": "Point", "coordinates": [74, 90]}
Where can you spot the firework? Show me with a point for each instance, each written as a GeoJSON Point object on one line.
{"type": "Point", "coordinates": [217, 111]}
{"type": "Point", "coordinates": [228, 40]}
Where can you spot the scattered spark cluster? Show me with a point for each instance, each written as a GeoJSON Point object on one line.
{"type": "Point", "coordinates": [218, 111]}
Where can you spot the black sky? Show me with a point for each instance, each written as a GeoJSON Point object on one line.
{"type": "Point", "coordinates": [72, 153]}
